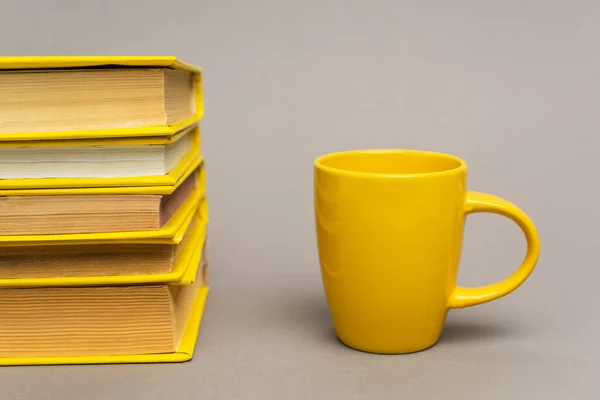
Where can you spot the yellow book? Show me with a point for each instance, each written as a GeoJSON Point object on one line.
{"type": "Point", "coordinates": [99, 264]}
{"type": "Point", "coordinates": [106, 324]}
{"type": "Point", "coordinates": [149, 186]}
{"type": "Point", "coordinates": [76, 211]}
{"type": "Point", "coordinates": [171, 233]}
{"type": "Point", "coordinates": [95, 213]}
{"type": "Point", "coordinates": [75, 97]}
{"type": "Point", "coordinates": [159, 161]}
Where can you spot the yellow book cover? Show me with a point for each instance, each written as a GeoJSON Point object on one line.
{"type": "Point", "coordinates": [171, 233]}
{"type": "Point", "coordinates": [22, 268]}
{"type": "Point", "coordinates": [97, 92]}
{"type": "Point", "coordinates": [98, 162]}
{"type": "Point", "coordinates": [167, 185]}
{"type": "Point", "coordinates": [187, 327]}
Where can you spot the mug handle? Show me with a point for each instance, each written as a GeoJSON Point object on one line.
{"type": "Point", "coordinates": [481, 202]}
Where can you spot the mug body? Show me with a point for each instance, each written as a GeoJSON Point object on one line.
{"type": "Point", "coordinates": [389, 227]}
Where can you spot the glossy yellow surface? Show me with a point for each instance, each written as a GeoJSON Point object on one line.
{"type": "Point", "coordinates": [389, 231]}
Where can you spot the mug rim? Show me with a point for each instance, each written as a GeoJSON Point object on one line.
{"type": "Point", "coordinates": [460, 168]}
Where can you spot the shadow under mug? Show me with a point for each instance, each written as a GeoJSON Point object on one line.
{"type": "Point", "coordinates": [389, 232]}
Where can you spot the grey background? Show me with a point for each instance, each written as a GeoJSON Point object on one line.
{"type": "Point", "coordinates": [510, 86]}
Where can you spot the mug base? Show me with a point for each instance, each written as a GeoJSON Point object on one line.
{"type": "Point", "coordinates": [381, 351]}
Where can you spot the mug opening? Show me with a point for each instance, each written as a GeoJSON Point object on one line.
{"type": "Point", "coordinates": [395, 163]}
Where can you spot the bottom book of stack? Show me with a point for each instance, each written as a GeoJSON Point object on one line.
{"type": "Point", "coordinates": [137, 323]}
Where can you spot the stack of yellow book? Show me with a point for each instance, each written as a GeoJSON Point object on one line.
{"type": "Point", "coordinates": [103, 215]}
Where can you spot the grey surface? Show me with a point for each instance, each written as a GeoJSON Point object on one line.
{"type": "Point", "coordinates": [510, 86]}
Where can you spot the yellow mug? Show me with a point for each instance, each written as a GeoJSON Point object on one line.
{"type": "Point", "coordinates": [389, 232]}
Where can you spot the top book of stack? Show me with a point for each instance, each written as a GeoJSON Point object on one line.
{"type": "Point", "coordinates": [49, 98]}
